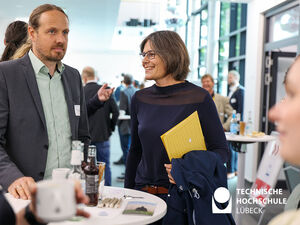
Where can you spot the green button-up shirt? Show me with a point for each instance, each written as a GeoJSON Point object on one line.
{"type": "Point", "coordinates": [56, 114]}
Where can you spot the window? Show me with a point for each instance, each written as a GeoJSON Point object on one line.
{"type": "Point", "coordinates": [232, 43]}
{"type": "Point", "coordinates": [203, 42]}
{"type": "Point", "coordinates": [284, 25]}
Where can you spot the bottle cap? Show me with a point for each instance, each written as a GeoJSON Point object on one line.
{"type": "Point", "coordinates": [76, 157]}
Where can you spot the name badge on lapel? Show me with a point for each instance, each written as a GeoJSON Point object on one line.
{"type": "Point", "coordinates": [233, 100]}
{"type": "Point", "coordinates": [77, 110]}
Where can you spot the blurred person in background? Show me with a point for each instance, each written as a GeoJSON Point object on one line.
{"type": "Point", "coordinates": [102, 122]}
{"type": "Point", "coordinates": [118, 90]}
{"type": "Point", "coordinates": [124, 125]}
{"type": "Point", "coordinates": [15, 36]}
{"type": "Point", "coordinates": [222, 103]}
{"type": "Point", "coordinates": [236, 92]}
{"type": "Point", "coordinates": [286, 115]}
{"type": "Point", "coordinates": [236, 100]}
{"type": "Point", "coordinates": [136, 84]}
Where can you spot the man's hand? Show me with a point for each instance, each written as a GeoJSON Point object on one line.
{"type": "Point", "coordinates": [20, 188]}
{"type": "Point", "coordinates": [104, 93]}
{"type": "Point", "coordinates": [168, 169]}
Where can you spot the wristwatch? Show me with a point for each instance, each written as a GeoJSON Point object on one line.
{"type": "Point", "coordinates": [30, 217]}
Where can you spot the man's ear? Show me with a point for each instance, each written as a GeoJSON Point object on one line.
{"type": "Point", "coordinates": [31, 33]}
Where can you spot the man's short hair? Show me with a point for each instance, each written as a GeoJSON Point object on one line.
{"type": "Point", "coordinates": [207, 76]}
{"type": "Point", "coordinates": [37, 12]}
{"type": "Point", "coordinates": [88, 72]}
{"type": "Point", "coordinates": [171, 49]}
{"type": "Point", "coordinates": [235, 74]}
{"type": "Point", "coordinates": [128, 79]}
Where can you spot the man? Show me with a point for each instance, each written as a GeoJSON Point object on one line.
{"type": "Point", "coordinates": [136, 84]}
{"type": "Point", "coordinates": [124, 125]}
{"type": "Point", "coordinates": [42, 105]}
{"type": "Point", "coordinates": [101, 123]}
{"type": "Point", "coordinates": [236, 100]}
{"type": "Point", "coordinates": [222, 103]}
{"type": "Point", "coordinates": [236, 92]}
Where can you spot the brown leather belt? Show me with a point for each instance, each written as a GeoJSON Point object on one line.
{"type": "Point", "coordinates": [151, 189]}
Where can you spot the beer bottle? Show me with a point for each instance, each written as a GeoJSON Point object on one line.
{"type": "Point", "coordinates": [91, 172]}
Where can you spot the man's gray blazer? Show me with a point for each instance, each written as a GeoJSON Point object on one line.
{"type": "Point", "coordinates": [23, 133]}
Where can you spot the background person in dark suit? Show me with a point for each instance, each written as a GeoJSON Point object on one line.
{"type": "Point", "coordinates": [124, 125]}
{"type": "Point", "coordinates": [236, 92]}
{"type": "Point", "coordinates": [101, 123]}
{"type": "Point", "coordinates": [42, 105]}
{"type": "Point", "coordinates": [236, 100]}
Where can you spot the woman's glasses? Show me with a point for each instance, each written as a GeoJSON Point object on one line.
{"type": "Point", "coordinates": [150, 55]}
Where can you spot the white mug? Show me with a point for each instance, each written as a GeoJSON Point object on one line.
{"type": "Point", "coordinates": [60, 173]}
{"type": "Point", "coordinates": [55, 200]}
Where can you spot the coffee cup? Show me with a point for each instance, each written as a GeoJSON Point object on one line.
{"type": "Point", "coordinates": [55, 200]}
{"type": "Point", "coordinates": [60, 173]}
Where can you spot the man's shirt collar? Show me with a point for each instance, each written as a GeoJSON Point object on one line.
{"type": "Point", "coordinates": [39, 66]}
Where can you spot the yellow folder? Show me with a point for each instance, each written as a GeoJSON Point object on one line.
{"type": "Point", "coordinates": [184, 137]}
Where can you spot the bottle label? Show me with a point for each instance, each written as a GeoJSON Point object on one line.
{"type": "Point", "coordinates": [91, 184]}
{"type": "Point", "coordinates": [233, 128]}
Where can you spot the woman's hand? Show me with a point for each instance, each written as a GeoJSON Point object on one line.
{"type": "Point", "coordinates": [168, 169]}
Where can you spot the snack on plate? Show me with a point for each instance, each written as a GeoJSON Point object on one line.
{"type": "Point", "coordinates": [257, 134]}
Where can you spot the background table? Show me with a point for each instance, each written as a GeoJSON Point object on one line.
{"type": "Point", "coordinates": [110, 216]}
{"type": "Point", "coordinates": [124, 117]}
{"type": "Point", "coordinates": [240, 142]}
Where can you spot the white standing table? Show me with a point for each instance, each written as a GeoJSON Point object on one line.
{"type": "Point", "coordinates": [124, 117]}
{"type": "Point", "coordinates": [240, 143]}
{"type": "Point", "coordinates": [110, 216]}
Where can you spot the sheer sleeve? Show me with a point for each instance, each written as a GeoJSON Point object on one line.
{"type": "Point", "coordinates": [212, 129]}
{"type": "Point", "coordinates": [135, 151]}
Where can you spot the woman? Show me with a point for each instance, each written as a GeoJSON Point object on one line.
{"type": "Point", "coordinates": [286, 114]}
{"type": "Point", "coordinates": [157, 109]}
{"type": "Point", "coordinates": [15, 36]}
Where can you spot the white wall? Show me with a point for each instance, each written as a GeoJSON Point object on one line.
{"type": "Point", "coordinates": [253, 73]}
{"type": "Point", "coordinates": [108, 64]}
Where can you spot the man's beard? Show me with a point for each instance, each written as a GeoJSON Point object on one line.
{"type": "Point", "coordinates": [56, 58]}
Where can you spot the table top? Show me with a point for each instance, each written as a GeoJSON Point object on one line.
{"type": "Point", "coordinates": [110, 216]}
{"type": "Point", "coordinates": [248, 139]}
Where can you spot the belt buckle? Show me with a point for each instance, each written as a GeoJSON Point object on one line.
{"type": "Point", "coordinates": [153, 189]}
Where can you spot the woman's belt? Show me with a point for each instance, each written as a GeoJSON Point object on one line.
{"type": "Point", "coordinates": [152, 189]}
